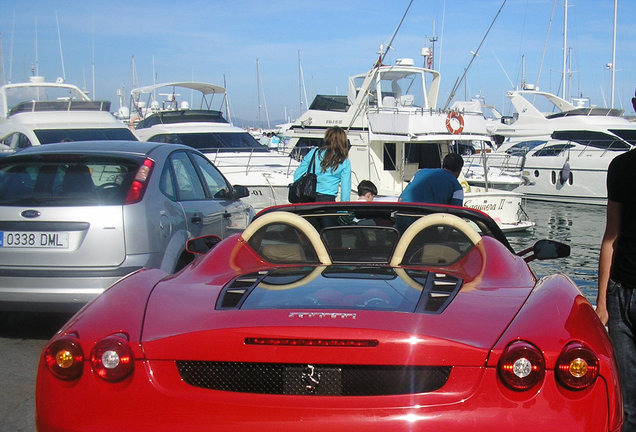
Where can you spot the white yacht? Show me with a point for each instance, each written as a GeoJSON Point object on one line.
{"type": "Point", "coordinates": [395, 128]}
{"type": "Point", "coordinates": [236, 153]}
{"type": "Point", "coordinates": [39, 112]}
{"type": "Point", "coordinates": [566, 152]}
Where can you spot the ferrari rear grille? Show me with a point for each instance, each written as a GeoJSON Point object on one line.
{"type": "Point", "coordinates": [308, 379]}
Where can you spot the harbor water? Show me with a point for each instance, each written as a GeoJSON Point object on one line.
{"type": "Point", "coordinates": [577, 225]}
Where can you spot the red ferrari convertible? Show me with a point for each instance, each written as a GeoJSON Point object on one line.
{"type": "Point", "coordinates": [338, 317]}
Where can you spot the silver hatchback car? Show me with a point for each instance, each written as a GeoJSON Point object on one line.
{"type": "Point", "coordinates": [76, 217]}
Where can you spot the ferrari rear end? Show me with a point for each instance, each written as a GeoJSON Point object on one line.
{"type": "Point", "coordinates": [358, 328]}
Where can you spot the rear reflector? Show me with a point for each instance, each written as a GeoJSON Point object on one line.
{"type": "Point", "coordinates": [356, 343]}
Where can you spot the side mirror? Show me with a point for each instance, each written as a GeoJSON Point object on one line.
{"type": "Point", "coordinates": [202, 245]}
{"type": "Point", "coordinates": [240, 191]}
{"type": "Point", "coordinates": [546, 249]}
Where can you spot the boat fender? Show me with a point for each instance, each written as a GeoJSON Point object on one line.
{"type": "Point", "coordinates": [564, 174]}
{"type": "Point", "coordinates": [450, 123]}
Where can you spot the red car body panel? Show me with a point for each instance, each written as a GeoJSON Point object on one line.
{"type": "Point", "coordinates": [174, 317]}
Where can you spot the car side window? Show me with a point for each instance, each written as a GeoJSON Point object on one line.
{"type": "Point", "coordinates": [216, 183]}
{"type": "Point", "coordinates": [166, 183]}
{"type": "Point", "coordinates": [189, 186]}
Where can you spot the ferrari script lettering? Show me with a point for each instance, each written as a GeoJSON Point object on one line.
{"type": "Point", "coordinates": [332, 315]}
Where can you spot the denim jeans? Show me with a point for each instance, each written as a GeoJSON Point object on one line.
{"type": "Point", "coordinates": [621, 306]}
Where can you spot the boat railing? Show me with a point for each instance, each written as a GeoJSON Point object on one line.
{"type": "Point", "coordinates": [511, 165]}
{"type": "Point", "coordinates": [252, 157]}
{"type": "Point", "coordinates": [61, 105]}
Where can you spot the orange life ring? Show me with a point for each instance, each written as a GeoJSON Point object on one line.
{"type": "Point", "coordinates": [449, 124]}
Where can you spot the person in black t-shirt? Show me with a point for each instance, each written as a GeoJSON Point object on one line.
{"type": "Point", "coordinates": [616, 301]}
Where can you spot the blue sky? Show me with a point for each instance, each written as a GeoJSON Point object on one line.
{"type": "Point", "coordinates": [220, 41]}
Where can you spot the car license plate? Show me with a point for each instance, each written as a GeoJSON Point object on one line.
{"type": "Point", "coordinates": [29, 239]}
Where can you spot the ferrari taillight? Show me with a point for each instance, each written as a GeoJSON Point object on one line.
{"type": "Point", "coordinates": [521, 366]}
{"type": "Point", "coordinates": [112, 358]}
{"type": "Point", "coordinates": [577, 366]}
{"type": "Point", "coordinates": [64, 358]}
{"type": "Point", "coordinates": [138, 186]}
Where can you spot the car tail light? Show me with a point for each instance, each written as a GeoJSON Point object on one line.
{"type": "Point", "coordinates": [577, 366]}
{"type": "Point", "coordinates": [64, 358]}
{"type": "Point", "coordinates": [138, 186]}
{"type": "Point", "coordinates": [521, 366]}
{"type": "Point", "coordinates": [112, 358]}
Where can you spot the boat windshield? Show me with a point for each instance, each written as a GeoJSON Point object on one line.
{"type": "Point", "coordinates": [214, 141]}
{"type": "Point", "coordinates": [19, 94]}
{"type": "Point", "coordinates": [402, 89]}
{"type": "Point", "coordinates": [48, 136]}
{"type": "Point", "coordinates": [594, 139]}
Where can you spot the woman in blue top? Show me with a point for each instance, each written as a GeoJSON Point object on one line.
{"type": "Point", "coordinates": [332, 166]}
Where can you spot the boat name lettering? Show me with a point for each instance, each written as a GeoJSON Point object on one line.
{"type": "Point", "coordinates": [335, 122]}
{"type": "Point", "coordinates": [485, 207]}
{"type": "Point", "coordinates": [332, 315]}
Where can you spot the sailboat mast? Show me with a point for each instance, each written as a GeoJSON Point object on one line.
{"type": "Point", "coordinates": [59, 40]}
{"type": "Point", "coordinates": [565, 44]}
{"type": "Point", "coordinates": [258, 94]}
{"type": "Point", "coordinates": [614, 54]}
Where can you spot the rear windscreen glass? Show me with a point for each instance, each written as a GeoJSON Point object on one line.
{"type": "Point", "coordinates": [65, 181]}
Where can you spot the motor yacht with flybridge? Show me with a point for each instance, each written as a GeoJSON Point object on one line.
{"type": "Point", "coordinates": [394, 127]}
{"type": "Point", "coordinates": [235, 152]}
{"type": "Point", "coordinates": [567, 149]}
{"type": "Point", "coordinates": [39, 112]}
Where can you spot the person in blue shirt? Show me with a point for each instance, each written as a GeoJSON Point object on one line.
{"type": "Point", "coordinates": [332, 166]}
{"type": "Point", "coordinates": [437, 185]}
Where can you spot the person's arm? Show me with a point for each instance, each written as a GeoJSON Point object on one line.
{"type": "Point", "coordinates": [612, 225]}
{"type": "Point", "coordinates": [345, 182]}
{"type": "Point", "coordinates": [304, 164]}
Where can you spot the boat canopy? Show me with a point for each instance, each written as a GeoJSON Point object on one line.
{"type": "Point", "coordinates": [202, 87]}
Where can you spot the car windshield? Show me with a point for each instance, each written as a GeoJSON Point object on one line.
{"type": "Point", "coordinates": [343, 287]}
{"type": "Point", "coordinates": [65, 181]}
{"type": "Point", "coordinates": [48, 136]}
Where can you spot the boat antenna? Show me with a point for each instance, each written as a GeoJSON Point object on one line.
{"type": "Point", "coordinates": [459, 80]}
{"type": "Point", "coordinates": [2, 78]}
{"type": "Point", "coordinates": [390, 44]}
{"type": "Point", "coordinates": [11, 50]}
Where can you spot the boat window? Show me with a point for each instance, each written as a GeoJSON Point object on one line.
{"type": "Point", "coordinates": [336, 103]}
{"type": "Point", "coordinates": [523, 147]}
{"type": "Point", "coordinates": [48, 136]}
{"type": "Point", "coordinates": [594, 139]}
{"type": "Point", "coordinates": [628, 135]}
{"type": "Point", "coordinates": [16, 141]}
{"type": "Point", "coordinates": [389, 157]}
{"type": "Point", "coordinates": [216, 142]}
{"type": "Point", "coordinates": [553, 150]}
